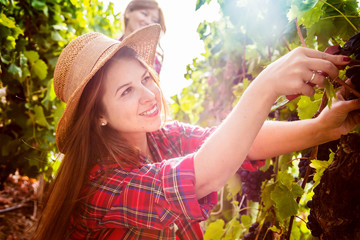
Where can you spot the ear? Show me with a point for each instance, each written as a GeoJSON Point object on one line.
{"type": "Point", "coordinates": [102, 121]}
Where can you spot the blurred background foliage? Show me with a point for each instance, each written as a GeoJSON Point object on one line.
{"type": "Point", "coordinates": [32, 35]}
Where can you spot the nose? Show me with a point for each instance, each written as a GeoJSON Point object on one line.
{"type": "Point", "coordinates": [147, 95]}
{"type": "Point", "coordinates": [148, 20]}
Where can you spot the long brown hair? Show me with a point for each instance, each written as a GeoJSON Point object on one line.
{"type": "Point", "coordinates": [88, 142]}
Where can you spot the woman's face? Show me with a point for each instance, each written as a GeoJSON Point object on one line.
{"type": "Point", "coordinates": [141, 17]}
{"type": "Point", "coordinates": [131, 99]}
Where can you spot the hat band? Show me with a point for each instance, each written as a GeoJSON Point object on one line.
{"type": "Point", "coordinates": [80, 69]}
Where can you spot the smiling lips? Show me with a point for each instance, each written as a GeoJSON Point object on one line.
{"type": "Point", "coordinates": [152, 112]}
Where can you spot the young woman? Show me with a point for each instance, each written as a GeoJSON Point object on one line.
{"type": "Point", "coordinates": [129, 174]}
{"type": "Point", "coordinates": [140, 13]}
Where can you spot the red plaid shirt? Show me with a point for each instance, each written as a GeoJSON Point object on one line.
{"type": "Point", "coordinates": [155, 201]}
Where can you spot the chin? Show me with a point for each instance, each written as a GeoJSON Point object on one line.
{"type": "Point", "coordinates": [155, 126]}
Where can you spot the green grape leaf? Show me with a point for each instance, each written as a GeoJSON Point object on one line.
{"type": "Point", "coordinates": [305, 5]}
{"type": "Point", "coordinates": [320, 167]}
{"type": "Point", "coordinates": [187, 103]}
{"type": "Point", "coordinates": [10, 43]}
{"type": "Point", "coordinates": [56, 36]}
{"type": "Point", "coordinates": [32, 56]}
{"type": "Point", "coordinates": [286, 179]}
{"type": "Point", "coordinates": [233, 230]}
{"type": "Point", "coordinates": [297, 190]}
{"type": "Point", "coordinates": [40, 116]}
{"type": "Point", "coordinates": [307, 107]}
{"type": "Point", "coordinates": [7, 22]}
{"type": "Point", "coordinates": [50, 93]}
{"type": "Point", "coordinates": [330, 91]}
{"type": "Point", "coordinates": [38, 4]}
{"type": "Point", "coordinates": [215, 230]}
{"type": "Point", "coordinates": [285, 202]}
{"type": "Point", "coordinates": [246, 220]}
{"type": "Point", "coordinates": [40, 69]}
{"type": "Point", "coordinates": [74, 2]}
{"type": "Point", "coordinates": [60, 107]}
{"type": "Point", "coordinates": [284, 160]}
{"type": "Point", "coordinates": [233, 185]}
{"type": "Point", "coordinates": [5, 59]}
{"type": "Point", "coordinates": [307, 17]}
{"type": "Point", "coordinates": [266, 195]}
{"type": "Point", "coordinates": [199, 3]}
{"type": "Point", "coordinates": [15, 70]}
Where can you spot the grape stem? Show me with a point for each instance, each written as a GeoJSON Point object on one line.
{"type": "Point", "coordinates": [221, 203]}
{"type": "Point", "coordinates": [301, 219]}
{"type": "Point", "coordinates": [356, 93]}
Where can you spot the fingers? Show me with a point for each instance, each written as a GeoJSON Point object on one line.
{"type": "Point", "coordinates": [335, 59]}
{"type": "Point", "coordinates": [315, 78]}
{"type": "Point", "coordinates": [350, 105]}
{"type": "Point", "coordinates": [323, 62]}
{"type": "Point", "coordinates": [308, 90]}
{"type": "Point", "coordinates": [325, 68]}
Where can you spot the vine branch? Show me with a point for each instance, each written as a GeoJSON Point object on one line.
{"type": "Point", "coordinates": [344, 84]}
{"type": "Point", "coordinates": [300, 34]}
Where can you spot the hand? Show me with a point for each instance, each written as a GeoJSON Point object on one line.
{"type": "Point", "coordinates": [292, 73]}
{"type": "Point", "coordinates": [341, 118]}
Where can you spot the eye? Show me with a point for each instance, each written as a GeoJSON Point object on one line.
{"type": "Point", "coordinates": [127, 91]}
{"type": "Point", "coordinates": [146, 79]}
{"type": "Point", "coordinates": [145, 13]}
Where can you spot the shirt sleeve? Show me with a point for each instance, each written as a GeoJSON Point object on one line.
{"type": "Point", "coordinates": [190, 138]}
{"type": "Point", "coordinates": [152, 197]}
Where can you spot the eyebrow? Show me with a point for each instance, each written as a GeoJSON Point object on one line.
{"type": "Point", "coordinates": [127, 84]}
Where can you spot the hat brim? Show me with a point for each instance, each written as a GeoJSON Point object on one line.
{"type": "Point", "coordinates": [143, 41]}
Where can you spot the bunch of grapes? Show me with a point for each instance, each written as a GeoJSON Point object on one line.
{"type": "Point", "coordinates": [312, 224]}
{"type": "Point", "coordinates": [304, 164]}
{"type": "Point", "coordinates": [353, 72]}
{"type": "Point", "coordinates": [251, 182]}
{"type": "Point", "coordinates": [265, 232]}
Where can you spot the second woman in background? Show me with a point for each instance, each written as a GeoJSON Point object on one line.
{"type": "Point", "coordinates": [140, 13]}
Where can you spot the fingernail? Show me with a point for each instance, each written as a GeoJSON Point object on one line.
{"type": "Point", "coordinates": [346, 59]}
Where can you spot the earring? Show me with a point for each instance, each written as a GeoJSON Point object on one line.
{"type": "Point", "coordinates": [103, 123]}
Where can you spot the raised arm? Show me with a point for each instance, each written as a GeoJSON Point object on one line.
{"type": "Point", "coordinates": [276, 138]}
{"type": "Point", "coordinates": [223, 153]}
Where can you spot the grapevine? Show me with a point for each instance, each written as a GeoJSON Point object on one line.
{"type": "Point", "coordinates": [335, 207]}
{"type": "Point", "coordinates": [289, 24]}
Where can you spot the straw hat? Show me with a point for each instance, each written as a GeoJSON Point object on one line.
{"type": "Point", "coordinates": [83, 57]}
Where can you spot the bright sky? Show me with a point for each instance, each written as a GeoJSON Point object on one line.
{"type": "Point", "coordinates": [181, 42]}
